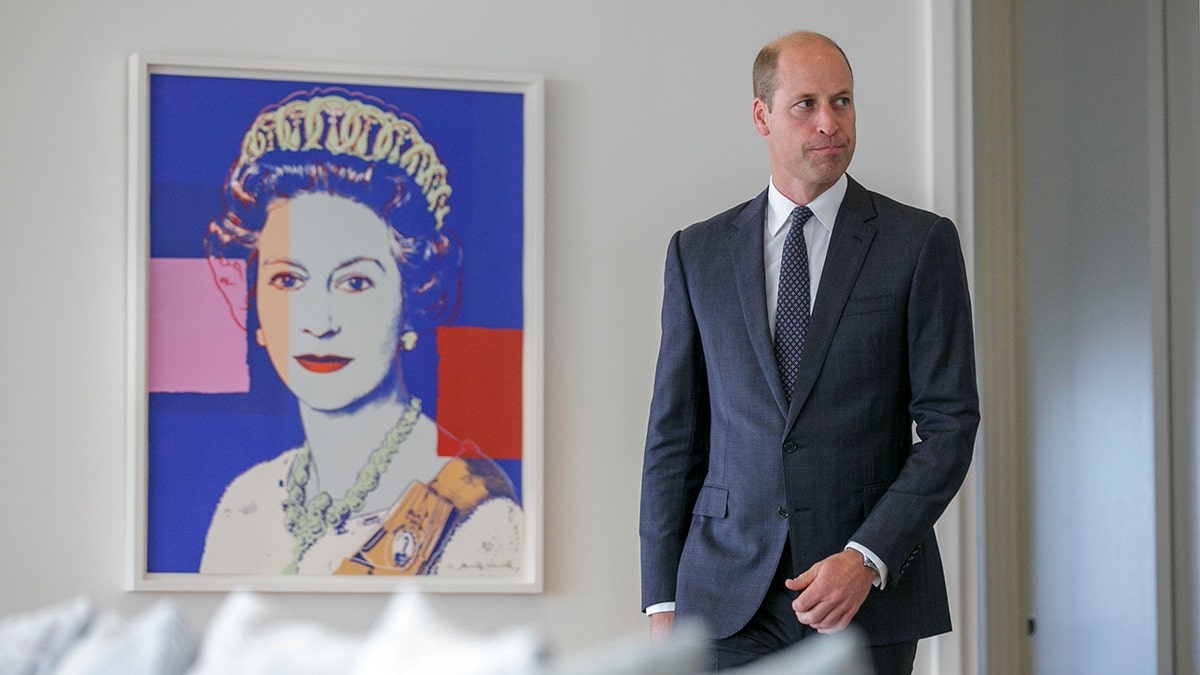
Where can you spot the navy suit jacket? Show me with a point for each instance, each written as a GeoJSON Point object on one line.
{"type": "Point", "coordinates": [731, 469]}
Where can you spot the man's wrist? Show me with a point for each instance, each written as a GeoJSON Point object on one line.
{"type": "Point", "coordinates": [872, 562]}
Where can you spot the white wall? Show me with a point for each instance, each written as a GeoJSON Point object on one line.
{"type": "Point", "coordinates": [647, 129]}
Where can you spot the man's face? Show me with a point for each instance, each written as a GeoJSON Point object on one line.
{"type": "Point", "coordinates": [809, 125]}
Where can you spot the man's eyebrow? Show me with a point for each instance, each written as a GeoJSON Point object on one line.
{"type": "Point", "coordinates": [809, 95]}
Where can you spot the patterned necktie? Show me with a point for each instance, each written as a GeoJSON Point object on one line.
{"type": "Point", "coordinates": [791, 315]}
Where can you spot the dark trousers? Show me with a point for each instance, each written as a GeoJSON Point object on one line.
{"type": "Point", "coordinates": [774, 628]}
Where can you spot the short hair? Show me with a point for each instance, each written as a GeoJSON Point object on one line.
{"type": "Point", "coordinates": [346, 144]}
{"type": "Point", "coordinates": [766, 64]}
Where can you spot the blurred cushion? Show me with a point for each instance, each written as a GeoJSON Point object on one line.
{"type": "Point", "coordinates": [156, 642]}
{"type": "Point", "coordinates": [33, 643]}
{"type": "Point", "coordinates": [244, 639]}
{"type": "Point", "coordinates": [408, 638]}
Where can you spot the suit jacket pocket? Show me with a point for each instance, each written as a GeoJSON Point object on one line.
{"type": "Point", "coordinates": [712, 502]}
{"type": "Point", "coordinates": [866, 305]}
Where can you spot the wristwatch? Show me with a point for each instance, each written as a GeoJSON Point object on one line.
{"type": "Point", "coordinates": [868, 563]}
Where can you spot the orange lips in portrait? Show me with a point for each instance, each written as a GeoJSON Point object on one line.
{"type": "Point", "coordinates": [322, 364]}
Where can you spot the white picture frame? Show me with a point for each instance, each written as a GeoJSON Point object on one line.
{"type": "Point", "coordinates": [187, 407]}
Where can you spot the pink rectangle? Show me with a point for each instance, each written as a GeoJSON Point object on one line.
{"type": "Point", "coordinates": [195, 343]}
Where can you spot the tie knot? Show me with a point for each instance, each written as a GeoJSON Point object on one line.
{"type": "Point", "coordinates": [800, 215]}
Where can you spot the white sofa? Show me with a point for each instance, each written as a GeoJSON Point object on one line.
{"type": "Point", "coordinates": [245, 638]}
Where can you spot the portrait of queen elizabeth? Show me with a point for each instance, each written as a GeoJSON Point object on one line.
{"type": "Point", "coordinates": [334, 246]}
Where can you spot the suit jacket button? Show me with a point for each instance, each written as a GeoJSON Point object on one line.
{"type": "Point", "coordinates": [790, 446]}
{"type": "Point", "coordinates": [783, 512]}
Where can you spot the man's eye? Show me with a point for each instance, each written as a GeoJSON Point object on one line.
{"type": "Point", "coordinates": [804, 104]}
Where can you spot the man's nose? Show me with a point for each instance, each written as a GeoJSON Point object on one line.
{"type": "Point", "coordinates": [827, 122]}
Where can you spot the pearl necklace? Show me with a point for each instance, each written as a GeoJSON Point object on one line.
{"type": "Point", "coordinates": [308, 522]}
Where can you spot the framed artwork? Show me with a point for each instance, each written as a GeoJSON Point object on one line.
{"type": "Point", "coordinates": [335, 328]}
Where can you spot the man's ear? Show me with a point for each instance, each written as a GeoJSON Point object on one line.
{"type": "Point", "coordinates": [230, 277]}
{"type": "Point", "coordinates": [760, 113]}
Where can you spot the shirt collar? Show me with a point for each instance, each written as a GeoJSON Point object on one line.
{"type": "Point", "coordinates": [825, 207]}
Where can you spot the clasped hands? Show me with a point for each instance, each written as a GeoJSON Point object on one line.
{"type": "Point", "coordinates": [831, 591]}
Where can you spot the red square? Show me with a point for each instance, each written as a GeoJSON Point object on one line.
{"type": "Point", "coordinates": [479, 390]}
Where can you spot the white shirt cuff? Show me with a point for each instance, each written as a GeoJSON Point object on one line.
{"type": "Point", "coordinates": [881, 580]}
{"type": "Point", "coordinates": [660, 607]}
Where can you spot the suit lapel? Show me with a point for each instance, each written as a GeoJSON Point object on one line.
{"type": "Point", "coordinates": [852, 235]}
{"type": "Point", "coordinates": [746, 242]}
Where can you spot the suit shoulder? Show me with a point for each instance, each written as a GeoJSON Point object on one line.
{"type": "Point", "coordinates": [895, 211]}
{"type": "Point", "coordinates": [719, 223]}
{"type": "Point", "coordinates": [728, 215]}
{"type": "Point", "coordinates": [914, 231]}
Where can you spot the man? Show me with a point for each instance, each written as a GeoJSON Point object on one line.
{"type": "Point", "coordinates": [783, 492]}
